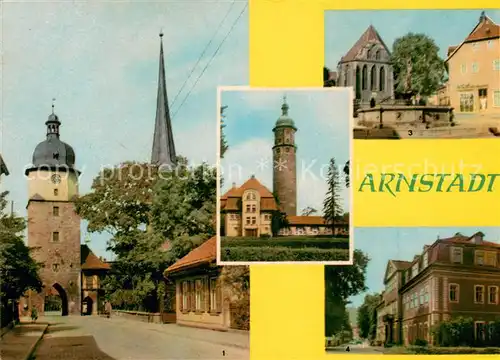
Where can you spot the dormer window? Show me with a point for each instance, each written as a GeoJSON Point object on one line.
{"type": "Point", "coordinates": [425, 260]}
{"type": "Point", "coordinates": [479, 257]}
{"type": "Point", "coordinates": [414, 270]}
{"type": "Point", "coordinates": [456, 254]}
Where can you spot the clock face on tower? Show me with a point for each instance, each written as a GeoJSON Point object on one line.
{"type": "Point", "coordinates": [55, 178]}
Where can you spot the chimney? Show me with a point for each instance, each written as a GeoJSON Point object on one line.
{"type": "Point", "coordinates": [234, 185]}
{"type": "Point", "coordinates": [104, 259]}
{"type": "Point", "coordinates": [477, 238]}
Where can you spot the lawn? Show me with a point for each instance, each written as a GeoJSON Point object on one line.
{"type": "Point", "coordinates": [289, 248]}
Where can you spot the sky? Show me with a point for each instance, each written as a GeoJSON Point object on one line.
{"type": "Point", "coordinates": [322, 119]}
{"type": "Point", "coordinates": [402, 243]}
{"type": "Point", "coordinates": [99, 60]}
{"type": "Point", "coordinates": [446, 27]}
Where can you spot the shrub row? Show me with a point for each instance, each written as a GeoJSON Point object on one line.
{"type": "Point", "coordinates": [291, 242]}
{"type": "Point", "coordinates": [460, 332]}
{"type": "Point", "coordinates": [275, 253]}
{"type": "Point", "coordinates": [453, 350]}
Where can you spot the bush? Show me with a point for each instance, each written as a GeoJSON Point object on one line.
{"type": "Point", "coordinates": [289, 241]}
{"type": "Point", "coordinates": [421, 342]}
{"type": "Point", "coordinates": [275, 253]}
{"type": "Point", "coordinates": [460, 332]}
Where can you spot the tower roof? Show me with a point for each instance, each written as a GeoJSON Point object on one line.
{"type": "Point", "coordinates": [52, 153]}
{"type": "Point", "coordinates": [3, 167]}
{"type": "Point", "coordinates": [284, 120]}
{"type": "Point", "coordinates": [163, 152]}
{"type": "Point", "coordinates": [370, 36]}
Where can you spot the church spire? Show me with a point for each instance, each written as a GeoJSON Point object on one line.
{"type": "Point", "coordinates": [163, 152]}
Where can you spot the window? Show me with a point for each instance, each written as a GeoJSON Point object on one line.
{"type": "Point", "coordinates": [248, 220]}
{"type": "Point", "coordinates": [377, 55]}
{"type": "Point", "coordinates": [248, 207]}
{"type": "Point", "coordinates": [480, 330]}
{"type": "Point", "coordinates": [364, 78]}
{"type": "Point", "coordinates": [496, 98]}
{"type": "Point", "coordinates": [89, 280]}
{"type": "Point", "coordinates": [373, 78]}
{"type": "Point", "coordinates": [454, 292]}
{"type": "Point", "coordinates": [254, 220]}
{"type": "Point", "coordinates": [479, 257]}
{"type": "Point", "coordinates": [475, 46]}
{"type": "Point", "coordinates": [463, 68]}
{"type": "Point", "coordinates": [55, 236]}
{"type": "Point", "coordinates": [185, 294]}
{"type": "Point", "coordinates": [478, 294]}
{"type": "Point", "coordinates": [199, 294]}
{"type": "Point", "coordinates": [214, 296]}
{"type": "Point", "coordinates": [475, 67]}
{"type": "Point", "coordinates": [493, 295]}
{"type": "Point", "coordinates": [422, 296]}
{"type": "Point", "coordinates": [456, 254]}
{"type": "Point", "coordinates": [253, 208]}
{"type": "Point", "coordinates": [426, 297]}
{"type": "Point", "coordinates": [467, 102]}
{"type": "Point", "coordinates": [425, 260]}
{"type": "Point", "coordinates": [490, 258]}
{"type": "Point", "coordinates": [496, 64]}
{"type": "Point", "coordinates": [55, 211]}
{"type": "Point", "coordinates": [56, 192]}
{"type": "Point", "coordinates": [55, 267]}
{"type": "Point", "coordinates": [346, 75]}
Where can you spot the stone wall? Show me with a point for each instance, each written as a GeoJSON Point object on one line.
{"type": "Point", "coordinates": [423, 117]}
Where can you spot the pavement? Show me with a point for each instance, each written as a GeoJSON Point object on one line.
{"type": "Point", "coordinates": [99, 338]}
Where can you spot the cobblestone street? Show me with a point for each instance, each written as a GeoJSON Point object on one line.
{"type": "Point", "coordinates": [97, 338]}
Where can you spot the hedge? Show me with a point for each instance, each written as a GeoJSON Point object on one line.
{"type": "Point", "coordinates": [275, 253]}
{"type": "Point", "coordinates": [289, 241]}
{"type": "Point", "coordinates": [460, 332]}
{"type": "Point", "coordinates": [434, 350]}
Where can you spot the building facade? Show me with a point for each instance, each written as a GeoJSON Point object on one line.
{"type": "Point", "coordinates": [201, 298]}
{"type": "Point", "coordinates": [474, 70]}
{"type": "Point", "coordinates": [94, 270]}
{"type": "Point", "coordinates": [367, 68]}
{"type": "Point", "coordinates": [454, 277]}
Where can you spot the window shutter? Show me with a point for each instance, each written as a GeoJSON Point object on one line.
{"type": "Point", "coordinates": [219, 296]}
{"type": "Point", "coordinates": [188, 295]}
{"type": "Point", "coordinates": [206, 294]}
{"type": "Point", "coordinates": [181, 298]}
{"type": "Point", "coordinates": [192, 302]}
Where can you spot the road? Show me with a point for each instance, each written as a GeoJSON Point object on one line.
{"type": "Point", "coordinates": [97, 338]}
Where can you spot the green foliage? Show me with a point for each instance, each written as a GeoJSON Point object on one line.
{"type": "Point", "coordinates": [287, 241]}
{"type": "Point", "coordinates": [143, 209]}
{"type": "Point", "coordinates": [277, 253]}
{"type": "Point", "coordinates": [418, 69]}
{"type": "Point", "coordinates": [18, 270]}
{"type": "Point", "coordinates": [332, 205]}
{"type": "Point", "coordinates": [434, 350]}
{"type": "Point", "coordinates": [279, 219]}
{"type": "Point", "coordinates": [460, 332]}
{"type": "Point", "coordinates": [223, 143]}
{"type": "Point", "coordinates": [236, 281]}
{"type": "Point", "coordinates": [367, 316]}
{"type": "Point", "coordinates": [308, 211]}
{"type": "Point", "coordinates": [342, 282]}
{"type": "Point", "coordinates": [346, 173]}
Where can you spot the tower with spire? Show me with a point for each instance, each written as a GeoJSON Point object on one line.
{"type": "Point", "coordinates": [284, 161]}
{"type": "Point", "coordinates": [163, 151]}
{"type": "Point", "coordinates": [53, 225]}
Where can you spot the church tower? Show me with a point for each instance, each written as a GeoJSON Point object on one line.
{"type": "Point", "coordinates": [284, 160]}
{"type": "Point", "coordinates": [163, 152]}
{"type": "Point", "coordinates": [53, 225]}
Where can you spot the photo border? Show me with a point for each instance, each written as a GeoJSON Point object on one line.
{"type": "Point", "coordinates": [221, 89]}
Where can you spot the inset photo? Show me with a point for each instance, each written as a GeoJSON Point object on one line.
{"type": "Point", "coordinates": [417, 74]}
{"type": "Point", "coordinates": [416, 290]}
{"type": "Point", "coordinates": [283, 175]}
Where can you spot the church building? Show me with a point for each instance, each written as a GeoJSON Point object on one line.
{"type": "Point", "coordinates": [367, 68]}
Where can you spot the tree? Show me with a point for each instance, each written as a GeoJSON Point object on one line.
{"type": "Point", "coordinates": [279, 219]}
{"type": "Point", "coordinates": [341, 282]}
{"type": "Point", "coordinates": [18, 270]}
{"type": "Point", "coordinates": [332, 206]}
{"type": "Point", "coordinates": [223, 142]}
{"type": "Point", "coordinates": [366, 320]}
{"type": "Point", "coordinates": [309, 211]}
{"type": "Point", "coordinates": [418, 69]}
{"type": "Point", "coordinates": [327, 82]}
{"type": "Point", "coordinates": [346, 173]}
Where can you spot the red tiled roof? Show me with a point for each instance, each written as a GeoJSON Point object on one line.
{"type": "Point", "coordinates": [205, 253]}
{"type": "Point", "coordinates": [401, 265]}
{"type": "Point", "coordinates": [461, 239]}
{"type": "Point", "coordinates": [91, 262]}
{"type": "Point", "coordinates": [369, 36]}
{"type": "Point", "coordinates": [231, 199]}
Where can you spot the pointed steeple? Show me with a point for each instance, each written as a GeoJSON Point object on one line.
{"type": "Point", "coordinates": [163, 152]}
